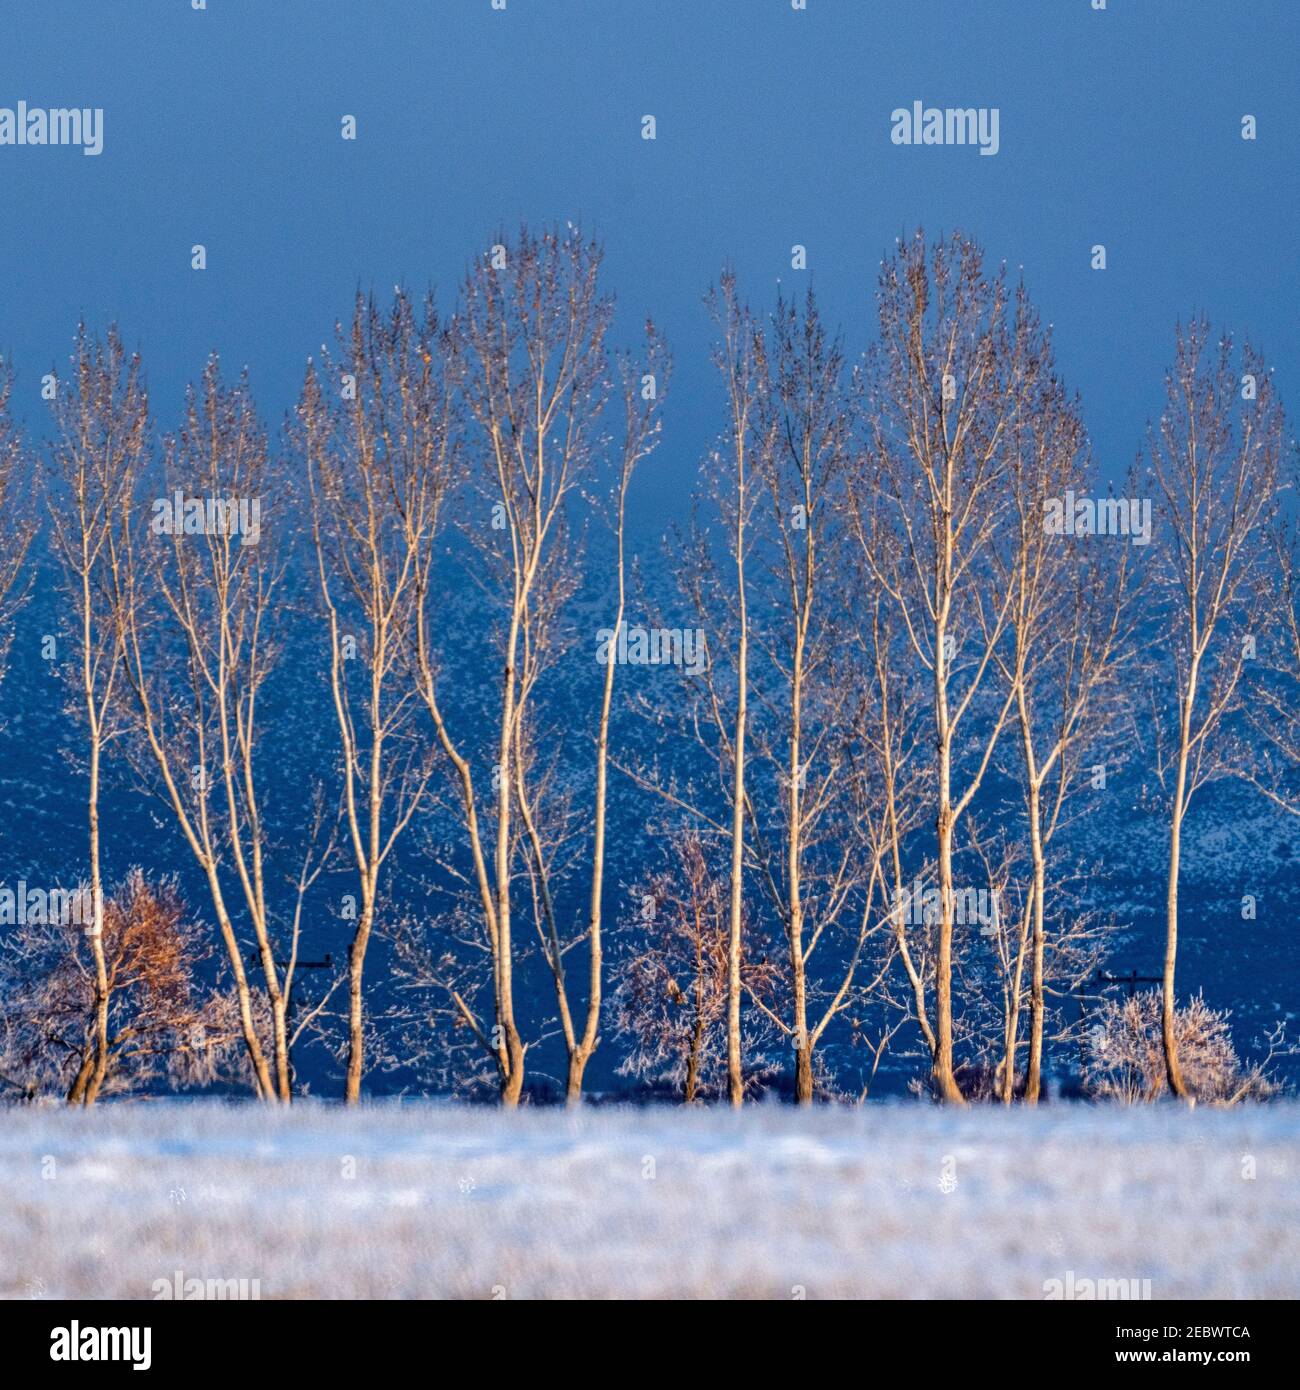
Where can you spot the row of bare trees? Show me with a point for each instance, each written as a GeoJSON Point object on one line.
{"type": "Point", "coordinates": [865, 817]}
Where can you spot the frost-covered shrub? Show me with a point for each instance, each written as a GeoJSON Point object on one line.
{"type": "Point", "coordinates": [160, 1029]}
{"type": "Point", "coordinates": [1126, 1060]}
{"type": "Point", "coordinates": [670, 1000]}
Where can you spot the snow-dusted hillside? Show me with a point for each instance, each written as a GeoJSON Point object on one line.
{"type": "Point", "coordinates": [899, 1201]}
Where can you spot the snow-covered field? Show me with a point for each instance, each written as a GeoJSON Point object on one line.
{"type": "Point", "coordinates": [897, 1201]}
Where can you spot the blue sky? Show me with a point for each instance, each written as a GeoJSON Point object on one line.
{"type": "Point", "coordinates": [222, 127]}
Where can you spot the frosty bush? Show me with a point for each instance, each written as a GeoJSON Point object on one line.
{"type": "Point", "coordinates": [671, 999]}
{"type": "Point", "coordinates": [1126, 1061]}
{"type": "Point", "coordinates": [158, 1029]}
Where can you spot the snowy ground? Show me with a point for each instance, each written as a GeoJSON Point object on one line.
{"type": "Point", "coordinates": [898, 1201]}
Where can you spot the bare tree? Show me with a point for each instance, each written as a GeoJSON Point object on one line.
{"type": "Point", "coordinates": [642, 398]}
{"type": "Point", "coordinates": [957, 357]}
{"type": "Point", "coordinates": [643, 393]}
{"type": "Point", "coordinates": [714, 581]}
{"type": "Point", "coordinates": [1214, 458]}
{"type": "Point", "coordinates": [820, 847]}
{"type": "Point", "coordinates": [779, 707]}
{"type": "Point", "coordinates": [201, 611]}
{"type": "Point", "coordinates": [376, 431]}
{"type": "Point", "coordinates": [1068, 633]}
{"type": "Point", "coordinates": [531, 365]}
{"type": "Point", "coordinates": [100, 448]}
{"type": "Point", "coordinates": [735, 359]}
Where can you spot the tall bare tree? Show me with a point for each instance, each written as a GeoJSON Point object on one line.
{"type": "Point", "coordinates": [531, 365]}
{"type": "Point", "coordinates": [1214, 458]}
{"type": "Point", "coordinates": [958, 353]}
{"type": "Point", "coordinates": [99, 450]}
{"type": "Point", "coordinates": [1068, 633]}
{"type": "Point", "coordinates": [202, 616]}
{"type": "Point", "coordinates": [736, 360]}
{"type": "Point", "coordinates": [778, 701]}
{"type": "Point", "coordinates": [824, 878]}
{"type": "Point", "coordinates": [643, 386]}
{"type": "Point", "coordinates": [376, 430]}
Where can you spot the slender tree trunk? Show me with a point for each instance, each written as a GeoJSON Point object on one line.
{"type": "Point", "coordinates": [693, 1062]}
{"type": "Point", "coordinates": [263, 1085]}
{"type": "Point", "coordinates": [77, 1091]}
{"type": "Point", "coordinates": [1173, 1070]}
{"type": "Point", "coordinates": [798, 966]}
{"type": "Point", "coordinates": [283, 1062]}
{"type": "Point", "coordinates": [735, 1078]}
{"type": "Point", "coordinates": [100, 1068]}
{"type": "Point", "coordinates": [1007, 1081]}
{"type": "Point", "coordinates": [944, 1081]}
{"type": "Point", "coordinates": [803, 1087]}
{"type": "Point", "coordinates": [509, 1048]}
{"type": "Point", "coordinates": [255, 899]}
{"type": "Point", "coordinates": [578, 1059]}
{"type": "Point", "coordinates": [280, 1032]}
{"type": "Point", "coordinates": [697, 1032]}
{"type": "Point", "coordinates": [87, 1089]}
{"type": "Point", "coordinates": [900, 927]}
{"type": "Point", "coordinates": [277, 1001]}
{"type": "Point", "coordinates": [512, 1084]}
{"type": "Point", "coordinates": [580, 1055]}
{"type": "Point", "coordinates": [803, 1074]}
{"type": "Point", "coordinates": [1012, 1034]}
{"type": "Point", "coordinates": [356, 1016]}
{"type": "Point", "coordinates": [369, 879]}
{"type": "Point", "coordinates": [1033, 1082]}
